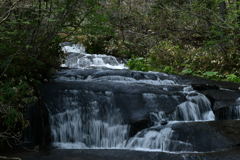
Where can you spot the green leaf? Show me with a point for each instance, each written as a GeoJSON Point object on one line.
{"type": "Point", "coordinates": [187, 71]}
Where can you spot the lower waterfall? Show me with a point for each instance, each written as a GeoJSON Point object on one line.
{"type": "Point", "coordinates": [85, 129]}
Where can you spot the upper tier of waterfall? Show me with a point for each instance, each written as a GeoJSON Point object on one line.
{"type": "Point", "coordinates": [78, 58]}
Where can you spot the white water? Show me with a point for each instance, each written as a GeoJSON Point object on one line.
{"type": "Point", "coordinates": [197, 107]}
{"type": "Point", "coordinates": [71, 130]}
{"type": "Point", "coordinates": [235, 110]}
{"type": "Point", "coordinates": [152, 140]}
{"type": "Point", "coordinates": [78, 58]}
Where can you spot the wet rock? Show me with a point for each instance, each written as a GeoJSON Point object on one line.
{"type": "Point", "coordinates": [134, 100]}
{"type": "Point", "coordinates": [232, 154]}
{"type": "Point", "coordinates": [137, 94]}
{"type": "Point", "coordinates": [205, 82]}
{"type": "Point", "coordinates": [135, 127]}
{"type": "Point", "coordinates": [223, 100]}
{"type": "Point", "coordinates": [189, 136]}
{"type": "Point", "coordinates": [164, 122]}
{"type": "Point", "coordinates": [203, 87]}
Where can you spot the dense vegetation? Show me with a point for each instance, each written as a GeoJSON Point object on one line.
{"type": "Point", "coordinates": [30, 33]}
{"type": "Point", "coordinates": [197, 37]}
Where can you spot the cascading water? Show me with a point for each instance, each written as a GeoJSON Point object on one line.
{"type": "Point", "coordinates": [235, 110]}
{"type": "Point", "coordinates": [86, 125]}
{"type": "Point", "coordinates": [78, 58]}
{"type": "Point", "coordinates": [102, 102]}
{"type": "Point", "coordinates": [197, 107]}
{"type": "Point", "coordinates": [160, 140]}
{"type": "Point", "coordinates": [72, 131]}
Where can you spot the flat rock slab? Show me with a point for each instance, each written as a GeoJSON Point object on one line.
{"type": "Point", "coordinates": [233, 154]}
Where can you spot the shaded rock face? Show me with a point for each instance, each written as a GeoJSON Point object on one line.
{"type": "Point", "coordinates": [101, 105]}
{"type": "Point", "coordinates": [225, 102]}
{"type": "Point", "coordinates": [135, 101]}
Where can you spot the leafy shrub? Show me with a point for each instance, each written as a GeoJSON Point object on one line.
{"type": "Point", "coordinates": [14, 119]}
{"type": "Point", "coordinates": [168, 69]}
{"type": "Point", "coordinates": [212, 75]}
{"type": "Point", "coordinates": [187, 71]}
{"type": "Point", "coordinates": [232, 77]}
{"type": "Point", "coordinates": [166, 53]}
{"type": "Point", "coordinates": [140, 64]}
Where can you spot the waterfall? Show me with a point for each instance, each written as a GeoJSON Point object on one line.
{"type": "Point", "coordinates": [234, 111]}
{"type": "Point", "coordinates": [99, 104]}
{"type": "Point", "coordinates": [87, 125]}
{"type": "Point", "coordinates": [197, 107]}
{"type": "Point", "coordinates": [160, 140]}
{"type": "Point", "coordinates": [78, 58]}
{"type": "Point", "coordinates": [70, 127]}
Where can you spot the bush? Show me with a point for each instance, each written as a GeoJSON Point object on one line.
{"type": "Point", "coordinates": [166, 53]}
{"type": "Point", "coordinates": [140, 64]}
{"type": "Point", "coordinates": [232, 77]}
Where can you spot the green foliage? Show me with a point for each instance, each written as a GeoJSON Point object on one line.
{"type": "Point", "coordinates": [14, 119]}
{"type": "Point", "coordinates": [211, 75]}
{"type": "Point", "coordinates": [140, 64]}
{"type": "Point", "coordinates": [168, 69]}
{"type": "Point", "coordinates": [143, 64]}
{"type": "Point", "coordinates": [166, 53]}
{"type": "Point", "coordinates": [187, 71]}
{"type": "Point", "coordinates": [206, 31]}
{"type": "Point", "coordinates": [16, 92]}
{"type": "Point", "coordinates": [190, 37]}
{"type": "Point", "coordinates": [232, 77]}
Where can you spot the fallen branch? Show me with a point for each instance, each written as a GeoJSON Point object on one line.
{"type": "Point", "coordinates": [9, 158]}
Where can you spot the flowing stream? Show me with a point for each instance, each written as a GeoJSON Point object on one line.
{"type": "Point", "coordinates": [105, 105]}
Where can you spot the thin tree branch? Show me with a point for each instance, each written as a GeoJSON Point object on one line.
{"type": "Point", "coordinates": [8, 13]}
